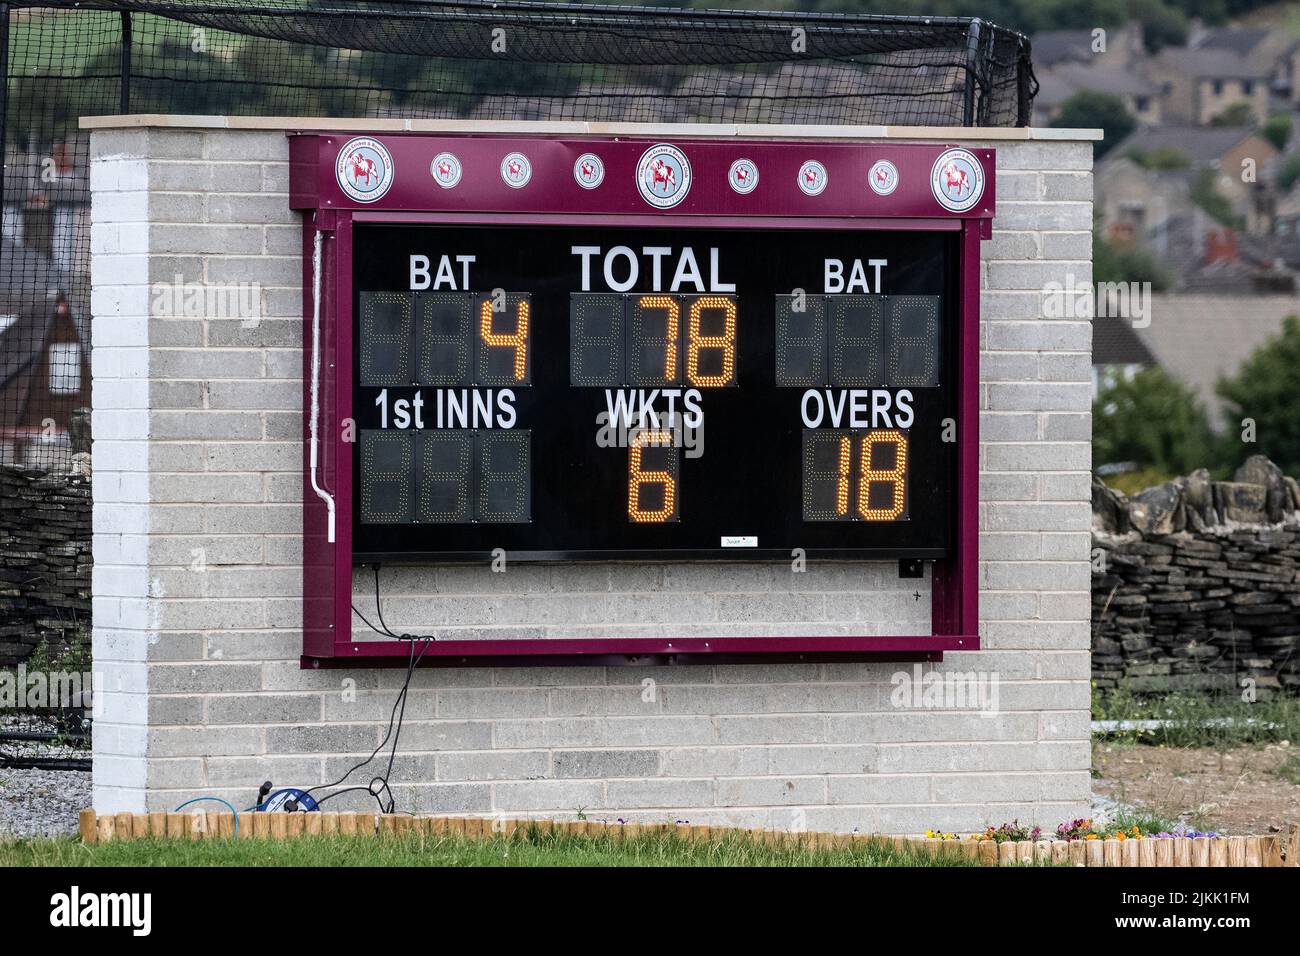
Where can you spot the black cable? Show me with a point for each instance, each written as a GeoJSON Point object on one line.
{"type": "Point", "coordinates": [339, 793]}
{"type": "Point", "coordinates": [366, 622]}
{"type": "Point", "coordinates": [401, 716]}
{"type": "Point", "coordinates": [395, 718]}
{"type": "Point", "coordinates": [379, 608]}
{"type": "Point", "coordinates": [391, 719]}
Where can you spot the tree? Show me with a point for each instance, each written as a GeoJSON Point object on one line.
{"type": "Point", "coordinates": [1238, 114]}
{"type": "Point", "coordinates": [1277, 129]}
{"type": "Point", "coordinates": [1088, 109]}
{"type": "Point", "coordinates": [1205, 193]}
{"type": "Point", "coordinates": [1287, 173]}
{"type": "Point", "coordinates": [1112, 262]}
{"type": "Point", "coordinates": [1265, 390]}
{"type": "Point", "coordinates": [1152, 420]}
{"type": "Point", "coordinates": [1162, 157]}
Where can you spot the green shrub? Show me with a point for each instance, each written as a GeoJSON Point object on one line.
{"type": "Point", "coordinates": [1265, 390]}
{"type": "Point", "coordinates": [1152, 420]}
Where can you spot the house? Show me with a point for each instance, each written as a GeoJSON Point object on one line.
{"type": "Point", "coordinates": [1286, 225]}
{"type": "Point", "coordinates": [1057, 84]}
{"type": "Point", "coordinates": [1198, 85]}
{"type": "Point", "coordinates": [1113, 47]}
{"type": "Point", "coordinates": [1270, 51]}
{"type": "Point", "coordinates": [1117, 351]}
{"type": "Point", "coordinates": [47, 202]}
{"type": "Point", "coordinates": [1136, 203]}
{"type": "Point", "coordinates": [1237, 161]}
{"type": "Point", "coordinates": [1286, 75]}
{"type": "Point", "coordinates": [44, 361]}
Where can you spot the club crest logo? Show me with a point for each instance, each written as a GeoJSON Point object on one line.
{"type": "Point", "coordinates": [445, 170]}
{"type": "Point", "coordinates": [883, 177]}
{"type": "Point", "coordinates": [589, 171]}
{"type": "Point", "coordinates": [516, 170]}
{"type": "Point", "coordinates": [663, 176]}
{"type": "Point", "coordinates": [812, 178]}
{"type": "Point", "coordinates": [957, 180]}
{"type": "Point", "coordinates": [364, 169]}
{"type": "Point", "coordinates": [743, 176]}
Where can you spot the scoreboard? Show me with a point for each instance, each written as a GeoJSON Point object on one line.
{"type": "Point", "coordinates": [604, 392]}
{"type": "Point", "coordinates": [619, 348]}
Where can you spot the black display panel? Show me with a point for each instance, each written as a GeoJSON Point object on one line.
{"type": "Point", "coordinates": [604, 393]}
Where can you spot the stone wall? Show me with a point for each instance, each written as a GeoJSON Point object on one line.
{"type": "Point", "coordinates": [198, 425]}
{"type": "Point", "coordinates": [1196, 583]}
{"type": "Point", "coordinates": [44, 561]}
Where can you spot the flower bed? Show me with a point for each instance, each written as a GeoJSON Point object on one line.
{"type": "Point", "coordinates": [1000, 846]}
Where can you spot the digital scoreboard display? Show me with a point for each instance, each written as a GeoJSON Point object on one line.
{"type": "Point", "coordinates": [529, 345]}
{"type": "Point", "coordinates": [590, 392]}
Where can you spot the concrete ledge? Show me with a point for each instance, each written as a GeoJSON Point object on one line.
{"type": "Point", "coordinates": [568, 128]}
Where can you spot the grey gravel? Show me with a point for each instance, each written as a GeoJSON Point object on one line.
{"type": "Point", "coordinates": [42, 802]}
{"type": "Point", "coordinates": [1106, 809]}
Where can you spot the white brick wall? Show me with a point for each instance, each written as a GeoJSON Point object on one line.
{"type": "Point", "coordinates": [197, 551]}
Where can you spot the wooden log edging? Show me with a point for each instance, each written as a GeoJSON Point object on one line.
{"type": "Point", "coordinates": [1273, 850]}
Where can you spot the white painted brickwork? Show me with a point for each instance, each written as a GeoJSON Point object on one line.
{"type": "Point", "coordinates": [197, 584]}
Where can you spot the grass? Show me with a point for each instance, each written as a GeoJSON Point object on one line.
{"type": "Point", "coordinates": [1131, 482]}
{"type": "Point", "coordinates": [1290, 771]}
{"type": "Point", "coordinates": [530, 848]}
{"type": "Point", "coordinates": [1198, 720]}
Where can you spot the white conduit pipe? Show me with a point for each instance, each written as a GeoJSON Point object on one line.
{"type": "Point", "coordinates": [321, 493]}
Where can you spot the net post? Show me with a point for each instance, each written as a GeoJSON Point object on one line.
{"type": "Point", "coordinates": [4, 105]}
{"type": "Point", "coordinates": [124, 100]}
{"type": "Point", "coordinates": [1026, 82]}
{"type": "Point", "coordinates": [972, 66]}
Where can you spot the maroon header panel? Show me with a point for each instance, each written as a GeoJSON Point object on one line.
{"type": "Point", "coordinates": [412, 172]}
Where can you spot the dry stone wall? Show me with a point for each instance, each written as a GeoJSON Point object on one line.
{"type": "Point", "coordinates": [44, 561]}
{"type": "Point", "coordinates": [1196, 583]}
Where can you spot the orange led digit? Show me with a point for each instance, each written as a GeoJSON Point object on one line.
{"type": "Point", "coordinates": [842, 482]}
{"type": "Point", "coordinates": [517, 340]}
{"type": "Point", "coordinates": [672, 312]}
{"type": "Point", "coordinates": [895, 476]}
{"type": "Point", "coordinates": [695, 341]}
{"type": "Point", "coordinates": [636, 478]}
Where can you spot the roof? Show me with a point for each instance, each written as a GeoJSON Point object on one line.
{"type": "Point", "coordinates": [1115, 343]}
{"type": "Point", "coordinates": [1199, 338]}
{"type": "Point", "coordinates": [1050, 47]}
{"type": "Point", "coordinates": [1240, 42]}
{"type": "Point", "coordinates": [1211, 64]}
{"type": "Point", "coordinates": [1059, 83]}
{"type": "Point", "coordinates": [1202, 145]}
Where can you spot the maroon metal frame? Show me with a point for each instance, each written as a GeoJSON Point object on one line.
{"type": "Point", "coordinates": [483, 198]}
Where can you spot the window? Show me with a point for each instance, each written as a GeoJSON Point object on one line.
{"type": "Point", "coordinates": [1218, 87]}
{"type": "Point", "coordinates": [1247, 87]}
{"type": "Point", "coordinates": [65, 368]}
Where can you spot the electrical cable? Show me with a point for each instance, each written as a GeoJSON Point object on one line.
{"type": "Point", "coordinates": [218, 800]}
{"type": "Point", "coordinates": [396, 717]}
